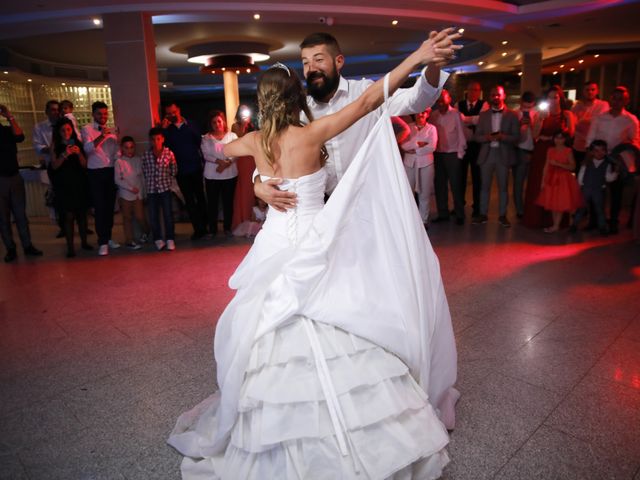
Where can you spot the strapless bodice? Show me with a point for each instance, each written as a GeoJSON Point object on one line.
{"type": "Point", "coordinates": [310, 191]}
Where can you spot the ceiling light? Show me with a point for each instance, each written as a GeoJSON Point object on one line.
{"type": "Point", "coordinates": [519, 74]}
{"type": "Point", "coordinates": [106, 86]}
{"type": "Point", "coordinates": [504, 42]}
{"type": "Point", "coordinates": [504, 54]}
{"type": "Point", "coordinates": [480, 63]}
{"type": "Point", "coordinates": [29, 80]}
{"type": "Point", "coordinates": [555, 72]}
{"type": "Point", "coordinates": [580, 61]}
{"type": "Point", "coordinates": [97, 22]}
{"type": "Point", "coordinates": [63, 84]}
{"type": "Point", "coordinates": [571, 69]}
{"type": "Point", "coordinates": [256, 16]}
{"type": "Point", "coordinates": [461, 31]}
{"type": "Point", "coordinates": [6, 73]}
{"type": "Point", "coordinates": [237, 72]}
{"type": "Point", "coordinates": [562, 66]}
{"type": "Point", "coordinates": [596, 55]}
{"type": "Point", "coordinates": [394, 22]}
{"type": "Point", "coordinates": [164, 85]}
{"type": "Point", "coordinates": [248, 70]}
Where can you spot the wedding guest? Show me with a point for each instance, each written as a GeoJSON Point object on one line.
{"type": "Point", "coordinates": [418, 160]}
{"type": "Point", "coordinates": [551, 119]}
{"type": "Point", "coordinates": [71, 185]}
{"type": "Point", "coordinates": [13, 200]}
{"type": "Point", "coordinates": [585, 110]}
{"type": "Point", "coordinates": [130, 181]}
{"type": "Point", "coordinates": [66, 106]}
{"type": "Point", "coordinates": [159, 167]}
{"type": "Point", "coordinates": [183, 139]}
{"type": "Point", "coordinates": [448, 158]}
{"type": "Point", "coordinates": [470, 109]}
{"type": "Point", "coordinates": [101, 148]}
{"type": "Point", "coordinates": [559, 190]}
{"type": "Point", "coordinates": [243, 199]}
{"type": "Point", "coordinates": [251, 227]}
{"type": "Point", "coordinates": [498, 132]}
{"type": "Point", "coordinates": [615, 127]}
{"type": "Point", "coordinates": [596, 171]}
{"type": "Point", "coordinates": [527, 117]}
{"type": "Point", "coordinates": [220, 175]}
{"type": "Point", "coordinates": [41, 141]}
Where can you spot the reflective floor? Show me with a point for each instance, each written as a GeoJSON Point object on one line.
{"type": "Point", "coordinates": [98, 356]}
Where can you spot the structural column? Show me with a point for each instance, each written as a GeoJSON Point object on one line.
{"type": "Point", "coordinates": [231, 94]}
{"type": "Point", "coordinates": [133, 75]}
{"type": "Point", "coordinates": [531, 72]}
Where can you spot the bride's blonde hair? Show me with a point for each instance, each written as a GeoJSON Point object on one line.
{"type": "Point", "coordinates": [281, 99]}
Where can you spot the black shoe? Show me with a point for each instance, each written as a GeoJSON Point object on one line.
{"type": "Point", "coordinates": [86, 246]}
{"type": "Point", "coordinates": [440, 219]}
{"type": "Point", "coordinates": [480, 219]}
{"type": "Point", "coordinates": [71, 253]}
{"type": "Point", "coordinates": [198, 235]}
{"type": "Point", "coordinates": [32, 251]}
{"type": "Point", "coordinates": [504, 221]}
{"type": "Point", "coordinates": [520, 216]}
{"type": "Point", "coordinates": [459, 221]}
{"type": "Point", "coordinates": [60, 234]}
{"type": "Point", "coordinates": [590, 228]}
{"type": "Point", "coordinates": [11, 255]}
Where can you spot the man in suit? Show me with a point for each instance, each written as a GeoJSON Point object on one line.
{"type": "Point", "coordinates": [470, 109]}
{"type": "Point", "coordinates": [498, 132]}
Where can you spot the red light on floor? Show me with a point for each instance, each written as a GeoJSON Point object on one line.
{"type": "Point", "coordinates": [617, 375]}
{"type": "Point", "coordinates": [635, 381]}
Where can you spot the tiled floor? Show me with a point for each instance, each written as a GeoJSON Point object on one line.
{"type": "Point", "coordinates": [98, 356]}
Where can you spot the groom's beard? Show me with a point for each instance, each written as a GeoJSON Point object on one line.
{"type": "Point", "coordinates": [320, 90]}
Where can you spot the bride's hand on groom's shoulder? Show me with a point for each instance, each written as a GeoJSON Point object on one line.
{"type": "Point", "coordinates": [269, 192]}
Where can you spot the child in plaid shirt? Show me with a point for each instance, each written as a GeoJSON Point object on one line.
{"type": "Point", "coordinates": [159, 168]}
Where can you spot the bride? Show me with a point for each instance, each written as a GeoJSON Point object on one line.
{"type": "Point", "coordinates": [336, 358]}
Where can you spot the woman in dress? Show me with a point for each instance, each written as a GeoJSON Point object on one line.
{"type": "Point", "coordinates": [556, 117]}
{"type": "Point", "coordinates": [326, 321]}
{"type": "Point", "coordinates": [220, 175]}
{"type": "Point", "coordinates": [559, 190]}
{"type": "Point", "coordinates": [68, 171]}
{"type": "Point", "coordinates": [244, 198]}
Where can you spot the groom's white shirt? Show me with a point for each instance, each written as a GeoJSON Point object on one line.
{"type": "Point", "coordinates": [342, 149]}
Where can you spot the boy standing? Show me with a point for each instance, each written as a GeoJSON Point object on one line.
{"type": "Point", "coordinates": [130, 182]}
{"type": "Point", "coordinates": [159, 167]}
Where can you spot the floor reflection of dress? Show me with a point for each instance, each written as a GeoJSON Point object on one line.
{"type": "Point", "coordinates": [336, 355]}
{"type": "Point", "coordinates": [534, 215]}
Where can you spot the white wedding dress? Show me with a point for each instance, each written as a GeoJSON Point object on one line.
{"type": "Point", "coordinates": [336, 357]}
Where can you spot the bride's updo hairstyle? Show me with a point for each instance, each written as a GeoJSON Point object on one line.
{"type": "Point", "coordinates": [281, 99]}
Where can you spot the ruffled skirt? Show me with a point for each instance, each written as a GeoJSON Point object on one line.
{"type": "Point", "coordinates": [289, 427]}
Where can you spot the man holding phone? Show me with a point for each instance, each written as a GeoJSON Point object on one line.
{"type": "Point", "coordinates": [498, 131]}
{"type": "Point", "coordinates": [527, 116]}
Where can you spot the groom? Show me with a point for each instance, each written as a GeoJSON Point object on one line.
{"type": "Point", "coordinates": [328, 92]}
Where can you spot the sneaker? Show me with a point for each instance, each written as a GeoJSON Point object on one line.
{"type": "Point", "coordinates": [11, 255]}
{"type": "Point", "coordinates": [159, 244]}
{"type": "Point", "coordinates": [32, 251]}
{"type": "Point", "coordinates": [133, 246]}
{"type": "Point", "coordinates": [113, 244]}
{"type": "Point", "coordinates": [504, 222]}
{"type": "Point", "coordinates": [171, 245]}
{"type": "Point", "coordinates": [103, 250]}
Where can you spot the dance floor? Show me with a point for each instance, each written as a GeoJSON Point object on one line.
{"type": "Point", "coordinates": [98, 356]}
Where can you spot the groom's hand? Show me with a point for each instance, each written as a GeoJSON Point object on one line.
{"type": "Point", "coordinates": [268, 192]}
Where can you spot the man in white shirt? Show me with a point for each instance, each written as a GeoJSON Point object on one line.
{"type": "Point", "coordinates": [585, 110]}
{"type": "Point", "coordinates": [615, 127]}
{"type": "Point", "coordinates": [328, 91]}
{"type": "Point", "coordinates": [527, 117]}
{"type": "Point", "coordinates": [101, 148]}
{"type": "Point", "coordinates": [448, 156]}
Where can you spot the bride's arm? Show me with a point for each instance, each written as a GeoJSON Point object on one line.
{"type": "Point", "coordinates": [438, 48]}
{"type": "Point", "coordinates": [244, 146]}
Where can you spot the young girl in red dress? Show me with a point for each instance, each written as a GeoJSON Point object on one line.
{"type": "Point", "coordinates": [559, 191]}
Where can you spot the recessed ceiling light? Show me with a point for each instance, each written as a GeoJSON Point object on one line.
{"type": "Point", "coordinates": [481, 63]}
{"type": "Point", "coordinates": [461, 31]}
{"type": "Point", "coordinates": [164, 85]}
{"type": "Point", "coordinates": [97, 22]}
{"type": "Point", "coordinates": [555, 72]}
{"type": "Point", "coordinates": [6, 73]}
{"type": "Point", "coordinates": [256, 16]}
{"type": "Point", "coordinates": [223, 68]}
{"type": "Point", "coordinates": [29, 80]}
{"type": "Point", "coordinates": [394, 22]}
{"type": "Point", "coordinates": [596, 55]}
{"type": "Point", "coordinates": [519, 74]}
{"type": "Point", "coordinates": [571, 69]}
{"type": "Point", "coordinates": [504, 42]}
{"type": "Point", "coordinates": [248, 70]}
{"type": "Point", "coordinates": [106, 86]}
{"type": "Point", "coordinates": [237, 72]}
{"type": "Point", "coordinates": [63, 84]}
{"type": "Point", "coordinates": [504, 54]}
{"type": "Point", "coordinates": [562, 66]}
{"type": "Point", "coordinates": [580, 61]}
